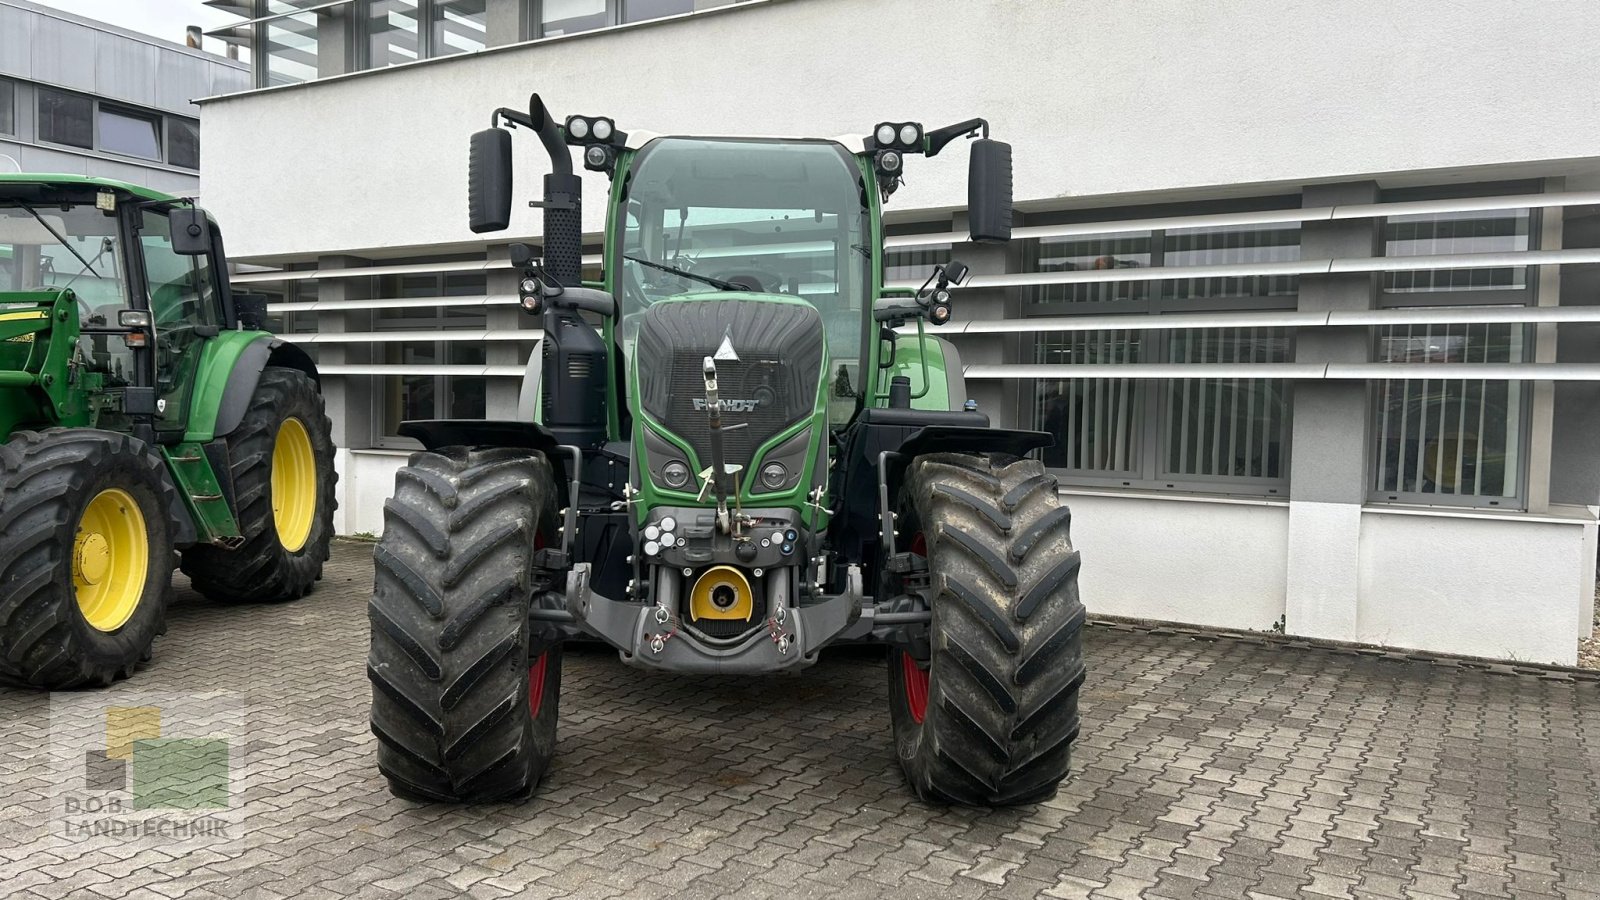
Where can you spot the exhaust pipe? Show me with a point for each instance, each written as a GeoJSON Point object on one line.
{"type": "Point", "coordinates": [489, 174]}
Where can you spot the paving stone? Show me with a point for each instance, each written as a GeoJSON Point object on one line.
{"type": "Point", "coordinates": [1207, 767]}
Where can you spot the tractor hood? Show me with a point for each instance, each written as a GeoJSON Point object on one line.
{"type": "Point", "coordinates": [771, 355]}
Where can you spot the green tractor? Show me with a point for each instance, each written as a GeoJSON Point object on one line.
{"type": "Point", "coordinates": [145, 417]}
{"type": "Point", "coordinates": [735, 450]}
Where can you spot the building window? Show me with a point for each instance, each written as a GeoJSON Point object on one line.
{"type": "Point", "coordinates": [557, 17]}
{"type": "Point", "coordinates": [8, 107]}
{"type": "Point", "coordinates": [1093, 252]}
{"type": "Point", "coordinates": [66, 118]}
{"type": "Point", "coordinates": [288, 45]}
{"type": "Point", "coordinates": [424, 395]}
{"type": "Point", "coordinates": [457, 26]}
{"type": "Point", "coordinates": [183, 142]}
{"type": "Point", "coordinates": [1450, 233]}
{"type": "Point", "coordinates": [1231, 245]}
{"type": "Point", "coordinates": [395, 33]}
{"type": "Point", "coordinates": [129, 133]}
{"type": "Point", "coordinates": [1450, 440]}
{"type": "Point", "coordinates": [1217, 434]}
{"type": "Point", "coordinates": [392, 34]}
{"type": "Point", "coordinates": [640, 10]}
{"type": "Point", "coordinates": [914, 263]}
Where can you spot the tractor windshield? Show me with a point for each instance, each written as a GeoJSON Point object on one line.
{"type": "Point", "coordinates": [51, 247]}
{"type": "Point", "coordinates": [706, 215]}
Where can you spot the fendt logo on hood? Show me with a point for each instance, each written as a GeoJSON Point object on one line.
{"type": "Point", "coordinates": [743, 406]}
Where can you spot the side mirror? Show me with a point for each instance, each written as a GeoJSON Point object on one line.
{"type": "Point", "coordinates": [251, 311]}
{"type": "Point", "coordinates": [191, 231]}
{"type": "Point", "coordinates": [489, 181]}
{"type": "Point", "coordinates": [989, 192]}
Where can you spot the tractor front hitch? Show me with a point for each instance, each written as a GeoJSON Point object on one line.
{"type": "Point", "coordinates": [651, 637]}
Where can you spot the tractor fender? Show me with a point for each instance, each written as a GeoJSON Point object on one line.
{"type": "Point", "coordinates": [228, 375]}
{"type": "Point", "coordinates": [532, 375]}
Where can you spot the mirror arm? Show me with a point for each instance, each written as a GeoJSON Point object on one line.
{"type": "Point", "coordinates": [939, 137]}
{"type": "Point", "coordinates": [512, 118]}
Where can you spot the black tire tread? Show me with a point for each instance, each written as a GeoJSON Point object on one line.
{"type": "Point", "coordinates": [449, 653]}
{"type": "Point", "coordinates": [1007, 659]}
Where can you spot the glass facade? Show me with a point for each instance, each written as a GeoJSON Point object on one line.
{"type": "Point", "coordinates": [287, 47]}
{"type": "Point", "coordinates": [457, 26]}
{"type": "Point", "coordinates": [557, 17]}
{"type": "Point", "coordinates": [640, 10]}
{"type": "Point", "coordinates": [392, 32]}
{"type": "Point", "coordinates": [8, 107]}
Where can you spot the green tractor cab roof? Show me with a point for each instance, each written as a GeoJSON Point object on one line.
{"type": "Point", "coordinates": [27, 185]}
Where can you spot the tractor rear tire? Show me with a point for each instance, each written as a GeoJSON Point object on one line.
{"type": "Point", "coordinates": [86, 525]}
{"type": "Point", "coordinates": [283, 441]}
{"type": "Point", "coordinates": [990, 718]}
{"type": "Point", "coordinates": [463, 707]}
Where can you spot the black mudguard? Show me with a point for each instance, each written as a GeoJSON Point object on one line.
{"type": "Point", "coordinates": [435, 434]}
{"type": "Point", "coordinates": [905, 434]}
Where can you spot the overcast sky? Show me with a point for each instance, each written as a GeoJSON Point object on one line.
{"type": "Point", "coordinates": [160, 18]}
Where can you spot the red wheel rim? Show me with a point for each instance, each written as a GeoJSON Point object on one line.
{"type": "Point", "coordinates": [536, 684]}
{"type": "Point", "coordinates": [916, 678]}
{"type": "Point", "coordinates": [916, 687]}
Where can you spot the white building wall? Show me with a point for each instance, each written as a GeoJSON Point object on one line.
{"type": "Point", "coordinates": [1506, 587]}
{"type": "Point", "coordinates": [1152, 97]}
{"type": "Point", "coordinates": [1157, 101]}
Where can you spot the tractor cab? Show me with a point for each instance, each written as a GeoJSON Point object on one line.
{"type": "Point", "coordinates": [141, 271]}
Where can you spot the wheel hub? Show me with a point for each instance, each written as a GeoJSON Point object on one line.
{"type": "Point", "coordinates": [92, 557]}
{"type": "Point", "coordinates": [110, 559]}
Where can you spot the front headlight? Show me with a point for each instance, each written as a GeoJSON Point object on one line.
{"type": "Point", "coordinates": [774, 475]}
{"type": "Point", "coordinates": [675, 474]}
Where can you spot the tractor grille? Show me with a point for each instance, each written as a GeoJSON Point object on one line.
{"type": "Point", "coordinates": [772, 384]}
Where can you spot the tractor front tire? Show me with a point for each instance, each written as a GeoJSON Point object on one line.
{"type": "Point", "coordinates": [282, 459]}
{"type": "Point", "coordinates": [989, 718]}
{"type": "Point", "coordinates": [463, 707]}
{"type": "Point", "coordinates": [86, 525]}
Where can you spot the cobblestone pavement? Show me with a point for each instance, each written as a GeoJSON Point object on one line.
{"type": "Point", "coordinates": [1220, 768]}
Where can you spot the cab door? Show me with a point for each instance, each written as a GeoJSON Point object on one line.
{"type": "Point", "coordinates": [185, 310]}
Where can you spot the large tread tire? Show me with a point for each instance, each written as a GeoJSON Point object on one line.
{"type": "Point", "coordinates": [262, 569]}
{"type": "Point", "coordinates": [47, 480]}
{"type": "Point", "coordinates": [1001, 689]}
{"type": "Point", "coordinates": [463, 711]}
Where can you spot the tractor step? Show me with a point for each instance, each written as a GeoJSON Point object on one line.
{"type": "Point", "coordinates": [202, 494]}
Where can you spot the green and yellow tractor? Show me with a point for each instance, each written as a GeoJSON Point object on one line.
{"type": "Point", "coordinates": [737, 448]}
{"type": "Point", "coordinates": [146, 420]}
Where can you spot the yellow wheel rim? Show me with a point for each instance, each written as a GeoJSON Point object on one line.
{"type": "Point", "coordinates": [110, 559]}
{"type": "Point", "coordinates": [294, 485]}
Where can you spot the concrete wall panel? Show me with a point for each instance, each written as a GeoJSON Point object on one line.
{"type": "Point", "coordinates": [1482, 586]}
{"type": "Point", "coordinates": [1096, 104]}
{"type": "Point", "coordinates": [1175, 559]}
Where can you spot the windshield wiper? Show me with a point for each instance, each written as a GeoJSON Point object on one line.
{"type": "Point", "coordinates": [717, 283]}
{"type": "Point", "coordinates": [57, 235]}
